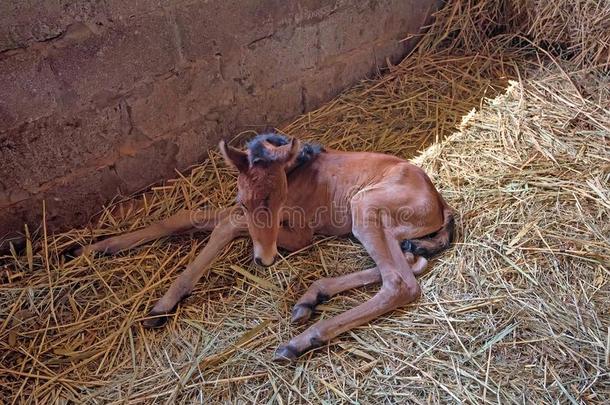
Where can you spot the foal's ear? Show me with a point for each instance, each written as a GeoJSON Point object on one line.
{"type": "Point", "coordinates": [289, 153]}
{"type": "Point", "coordinates": [234, 157]}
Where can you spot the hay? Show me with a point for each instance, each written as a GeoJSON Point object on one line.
{"type": "Point", "coordinates": [518, 311]}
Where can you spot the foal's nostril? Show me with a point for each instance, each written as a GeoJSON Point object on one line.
{"type": "Point", "coordinates": [258, 261]}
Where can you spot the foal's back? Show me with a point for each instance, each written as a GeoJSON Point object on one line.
{"type": "Point", "coordinates": [326, 186]}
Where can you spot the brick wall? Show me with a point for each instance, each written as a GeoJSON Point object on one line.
{"type": "Point", "coordinates": [106, 97]}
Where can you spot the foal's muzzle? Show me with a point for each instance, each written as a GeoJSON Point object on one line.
{"type": "Point", "coordinates": [260, 262]}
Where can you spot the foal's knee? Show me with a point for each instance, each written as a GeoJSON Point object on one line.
{"type": "Point", "coordinates": [398, 292]}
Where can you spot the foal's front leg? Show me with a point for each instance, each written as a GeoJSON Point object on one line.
{"type": "Point", "coordinates": [399, 288]}
{"type": "Point", "coordinates": [228, 229]}
{"type": "Point", "coordinates": [325, 288]}
{"type": "Point", "coordinates": [182, 221]}
{"type": "Point", "coordinates": [391, 296]}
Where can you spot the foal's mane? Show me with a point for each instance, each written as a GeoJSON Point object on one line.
{"type": "Point", "coordinates": [308, 152]}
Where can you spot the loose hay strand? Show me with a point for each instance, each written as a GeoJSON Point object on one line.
{"type": "Point", "coordinates": [517, 311]}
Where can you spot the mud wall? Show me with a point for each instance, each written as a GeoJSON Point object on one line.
{"type": "Point", "coordinates": [106, 97]}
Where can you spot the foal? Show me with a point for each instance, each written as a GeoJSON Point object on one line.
{"type": "Point", "coordinates": [286, 194]}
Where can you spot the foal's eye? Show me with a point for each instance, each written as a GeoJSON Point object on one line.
{"type": "Point", "coordinates": [266, 201]}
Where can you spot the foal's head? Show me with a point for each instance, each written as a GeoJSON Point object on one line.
{"type": "Point", "coordinates": [262, 188]}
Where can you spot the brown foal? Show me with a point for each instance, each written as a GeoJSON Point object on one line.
{"type": "Point", "coordinates": [286, 194]}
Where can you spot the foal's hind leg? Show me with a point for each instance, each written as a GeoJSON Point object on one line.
{"type": "Point", "coordinates": [323, 289]}
{"type": "Point", "coordinates": [399, 284]}
{"type": "Point", "coordinates": [184, 220]}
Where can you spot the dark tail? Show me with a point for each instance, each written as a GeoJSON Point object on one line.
{"type": "Point", "coordinates": [433, 244]}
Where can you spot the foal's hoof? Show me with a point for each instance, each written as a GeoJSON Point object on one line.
{"type": "Point", "coordinates": [73, 252]}
{"type": "Point", "coordinates": [70, 255]}
{"type": "Point", "coordinates": [77, 251]}
{"type": "Point", "coordinates": [300, 314]}
{"type": "Point", "coordinates": [155, 320]}
{"type": "Point", "coordinates": [285, 354]}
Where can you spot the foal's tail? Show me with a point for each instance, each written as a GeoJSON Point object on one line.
{"type": "Point", "coordinates": [433, 244]}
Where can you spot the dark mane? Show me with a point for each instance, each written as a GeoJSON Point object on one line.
{"type": "Point", "coordinates": [309, 151]}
